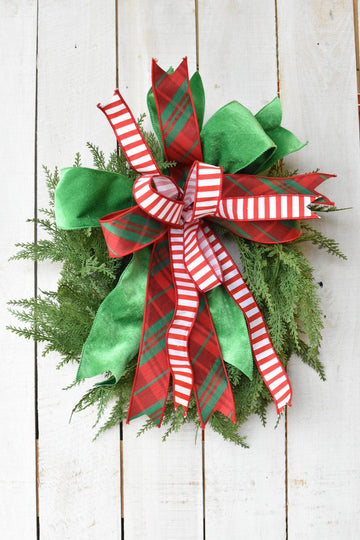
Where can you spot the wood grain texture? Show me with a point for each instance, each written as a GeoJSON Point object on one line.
{"type": "Point", "coordinates": [318, 92]}
{"type": "Point", "coordinates": [17, 419]}
{"type": "Point", "coordinates": [163, 30]}
{"type": "Point", "coordinates": [245, 489]}
{"type": "Point", "coordinates": [79, 488]}
{"type": "Point", "coordinates": [162, 482]}
{"type": "Point", "coordinates": [163, 493]}
{"type": "Point", "coordinates": [237, 52]}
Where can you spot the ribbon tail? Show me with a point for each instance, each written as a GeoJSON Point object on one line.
{"type": "Point", "coordinates": [129, 136]}
{"type": "Point", "coordinates": [151, 383]}
{"type": "Point", "coordinates": [211, 385]}
{"type": "Point", "coordinates": [271, 369]}
{"type": "Point", "coordinates": [177, 117]}
{"type": "Point", "coordinates": [187, 304]}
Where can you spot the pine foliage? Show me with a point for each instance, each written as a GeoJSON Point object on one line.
{"type": "Point", "coordinates": [279, 276]}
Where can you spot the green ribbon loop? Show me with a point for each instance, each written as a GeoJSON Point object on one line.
{"type": "Point", "coordinates": [83, 196]}
{"type": "Point", "coordinates": [269, 117]}
{"type": "Point", "coordinates": [231, 330]}
{"type": "Point", "coordinates": [234, 140]}
{"type": "Point", "coordinates": [115, 336]}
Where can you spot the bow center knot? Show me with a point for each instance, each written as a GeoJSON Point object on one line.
{"type": "Point", "coordinates": [160, 197]}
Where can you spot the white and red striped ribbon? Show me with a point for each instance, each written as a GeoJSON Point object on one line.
{"type": "Point", "coordinates": [200, 259]}
{"type": "Point", "coordinates": [267, 361]}
{"type": "Point", "coordinates": [266, 207]}
{"type": "Point", "coordinates": [129, 135]}
{"type": "Point", "coordinates": [187, 304]}
{"type": "Point", "coordinates": [158, 205]}
{"type": "Point", "coordinates": [202, 191]}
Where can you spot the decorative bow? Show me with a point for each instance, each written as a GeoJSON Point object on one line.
{"type": "Point", "coordinates": [188, 260]}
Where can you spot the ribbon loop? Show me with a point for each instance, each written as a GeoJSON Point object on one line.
{"type": "Point", "coordinates": [161, 206]}
{"type": "Point", "coordinates": [129, 135]}
{"type": "Point", "coordinates": [200, 259]}
{"type": "Point", "coordinates": [202, 191]}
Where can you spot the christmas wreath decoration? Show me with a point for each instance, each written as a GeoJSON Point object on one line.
{"type": "Point", "coordinates": [160, 307]}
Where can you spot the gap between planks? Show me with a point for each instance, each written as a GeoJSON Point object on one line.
{"type": "Point", "coordinates": [286, 462]}
{"type": "Point", "coordinates": [36, 381]}
{"type": "Point", "coordinates": [357, 51]}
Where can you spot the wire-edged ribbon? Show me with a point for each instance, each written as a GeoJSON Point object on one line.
{"type": "Point", "coordinates": [188, 260]}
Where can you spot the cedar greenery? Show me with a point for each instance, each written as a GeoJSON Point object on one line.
{"type": "Point", "coordinates": [279, 276]}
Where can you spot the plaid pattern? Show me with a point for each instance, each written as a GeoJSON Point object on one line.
{"type": "Point", "coordinates": [129, 230]}
{"type": "Point", "coordinates": [272, 231]}
{"type": "Point", "coordinates": [212, 389]}
{"type": "Point", "coordinates": [177, 118]}
{"type": "Point", "coordinates": [152, 377]}
{"type": "Point", "coordinates": [211, 385]}
{"type": "Point", "coordinates": [240, 185]}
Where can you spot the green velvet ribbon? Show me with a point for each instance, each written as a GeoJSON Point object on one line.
{"type": "Point", "coordinates": [115, 336]}
{"type": "Point", "coordinates": [83, 196]}
{"type": "Point", "coordinates": [232, 138]}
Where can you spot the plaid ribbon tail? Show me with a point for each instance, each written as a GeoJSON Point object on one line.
{"type": "Point", "coordinates": [212, 388]}
{"type": "Point", "coordinates": [129, 230]}
{"type": "Point", "coordinates": [151, 383]}
{"type": "Point", "coordinates": [177, 117]}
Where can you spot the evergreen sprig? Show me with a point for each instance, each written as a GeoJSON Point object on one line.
{"type": "Point", "coordinates": [279, 275]}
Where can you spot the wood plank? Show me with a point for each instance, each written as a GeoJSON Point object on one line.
{"type": "Point", "coordinates": [318, 91]}
{"type": "Point", "coordinates": [237, 52]}
{"type": "Point", "coordinates": [79, 480]}
{"type": "Point", "coordinates": [17, 420]}
{"type": "Point", "coordinates": [152, 30]}
{"type": "Point", "coordinates": [163, 493]}
{"type": "Point", "coordinates": [162, 481]}
{"type": "Point", "coordinates": [245, 489]}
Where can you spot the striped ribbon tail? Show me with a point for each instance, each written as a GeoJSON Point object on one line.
{"type": "Point", "coordinates": [151, 383]}
{"type": "Point", "coordinates": [129, 136]}
{"type": "Point", "coordinates": [266, 208]}
{"type": "Point", "coordinates": [266, 359]}
{"type": "Point", "coordinates": [177, 117]}
{"type": "Point", "coordinates": [211, 385]}
{"type": "Point", "coordinates": [187, 304]}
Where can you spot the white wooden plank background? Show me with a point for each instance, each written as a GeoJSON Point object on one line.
{"type": "Point", "coordinates": [17, 397]}
{"type": "Point", "coordinates": [317, 82]}
{"type": "Point", "coordinates": [82, 47]}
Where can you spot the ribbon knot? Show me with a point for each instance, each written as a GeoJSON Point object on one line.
{"type": "Point", "coordinates": [158, 196]}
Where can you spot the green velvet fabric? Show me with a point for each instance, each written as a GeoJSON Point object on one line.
{"type": "Point", "coordinates": [198, 95]}
{"type": "Point", "coordinates": [269, 117]}
{"type": "Point", "coordinates": [240, 142]}
{"type": "Point", "coordinates": [83, 196]}
{"type": "Point", "coordinates": [231, 330]}
{"type": "Point", "coordinates": [234, 140]}
{"type": "Point", "coordinates": [115, 336]}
